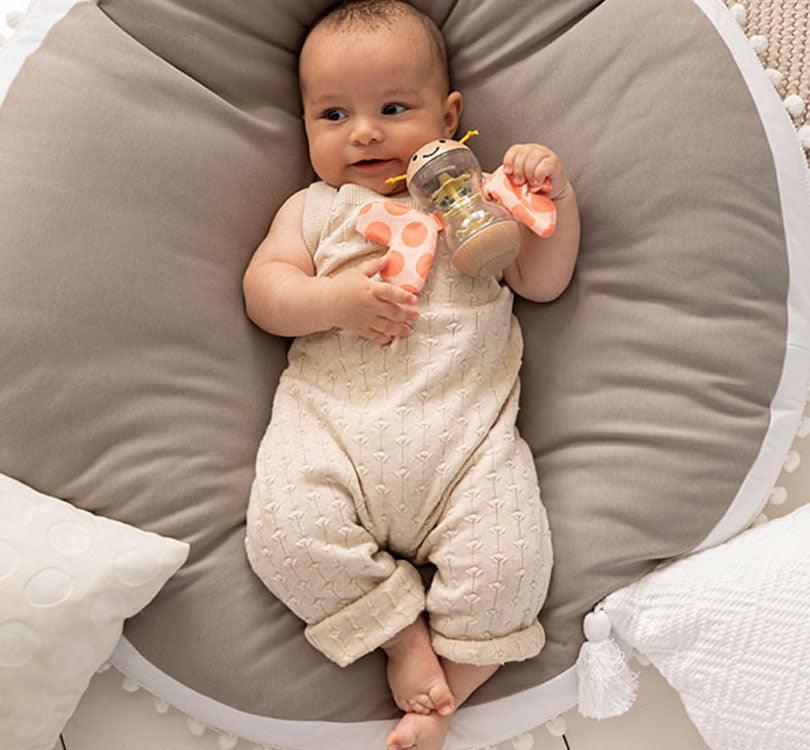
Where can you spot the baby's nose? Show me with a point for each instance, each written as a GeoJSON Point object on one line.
{"type": "Point", "coordinates": [365, 131]}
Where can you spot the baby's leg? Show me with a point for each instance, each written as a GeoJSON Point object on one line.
{"type": "Point", "coordinates": [464, 679]}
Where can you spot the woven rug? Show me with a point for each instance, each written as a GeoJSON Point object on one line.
{"type": "Point", "coordinates": [779, 32]}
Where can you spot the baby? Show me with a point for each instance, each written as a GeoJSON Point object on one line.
{"type": "Point", "coordinates": [392, 441]}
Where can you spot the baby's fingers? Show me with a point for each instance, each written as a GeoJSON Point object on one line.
{"type": "Point", "coordinates": [518, 165]}
{"type": "Point", "coordinates": [509, 158]}
{"type": "Point", "coordinates": [392, 293]}
{"type": "Point", "coordinates": [374, 335]}
{"type": "Point", "coordinates": [391, 327]}
{"type": "Point", "coordinates": [538, 167]}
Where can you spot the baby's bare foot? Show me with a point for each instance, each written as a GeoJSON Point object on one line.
{"type": "Point", "coordinates": [418, 732]}
{"type": "Point", "coordinates": [415, 675]}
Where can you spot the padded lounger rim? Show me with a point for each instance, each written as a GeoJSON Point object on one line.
{"type": "Point", "coordinates": [793, 179]}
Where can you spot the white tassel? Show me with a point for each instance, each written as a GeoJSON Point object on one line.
{"type": "Point", "coordinates": [607, 686]}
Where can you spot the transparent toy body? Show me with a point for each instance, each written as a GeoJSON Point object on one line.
{"type": "Point", "coordinates": [450, 184]}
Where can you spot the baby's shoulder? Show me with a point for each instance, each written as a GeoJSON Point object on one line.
{"type": "Point", "coordinates": [292, 210]}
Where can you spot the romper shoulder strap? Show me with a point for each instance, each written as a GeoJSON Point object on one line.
{"type": "Point", "coordinates": [317, 207]}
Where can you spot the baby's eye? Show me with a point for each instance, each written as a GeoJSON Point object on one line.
{"type": "Point", "coordinates": [390, 109]}
{"type": "Point", "coordinates": [334, 115]}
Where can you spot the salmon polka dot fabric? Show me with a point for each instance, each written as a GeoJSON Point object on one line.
{"type": "Point", "coordinates": [535, 210]}
{"type": "Point", "coordinates": [411, 234]}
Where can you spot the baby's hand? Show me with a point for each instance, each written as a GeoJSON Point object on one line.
{"type": "Point", "coordinates": [532, 163]}
{"type": "Point", "coordinates": [374, 309]}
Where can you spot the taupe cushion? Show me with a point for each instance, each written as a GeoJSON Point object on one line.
{"type": "Point", "coordinates": [144, 149]}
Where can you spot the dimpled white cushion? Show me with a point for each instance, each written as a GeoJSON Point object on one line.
{"type": "Point", "coordinates": [68, 579]}
{"type": "Point", "coordinates": [729, 628]}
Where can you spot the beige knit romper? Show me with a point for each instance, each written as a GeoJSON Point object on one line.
{"type": "Point", "coordinates": [408, 448]}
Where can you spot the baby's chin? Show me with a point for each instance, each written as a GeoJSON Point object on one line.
{"type": "Point", "coordinates": [377, 184]}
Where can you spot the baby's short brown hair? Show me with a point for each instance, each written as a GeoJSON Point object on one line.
{"type": "Point", "coordinates": [371, 14]}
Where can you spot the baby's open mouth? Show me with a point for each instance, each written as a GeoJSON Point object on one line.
{"type": "Point", "coordinates": [371, 163]}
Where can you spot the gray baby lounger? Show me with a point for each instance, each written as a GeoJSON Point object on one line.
{"type": "Point", "coordinates": [144, 148]}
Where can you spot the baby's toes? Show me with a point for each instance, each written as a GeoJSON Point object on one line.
{"type": "Point", "coordinates": [402, 736]}
{"type": "Point", "coordinates": [419, 705]}
{"type": "Point", "coordinates": [441, 698]}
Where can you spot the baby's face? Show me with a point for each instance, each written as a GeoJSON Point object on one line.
{"type": "Point", "coordinates": [371, 99]}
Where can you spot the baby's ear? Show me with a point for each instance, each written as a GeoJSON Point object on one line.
{"type": "Point", "coordinates": [535, 210]}
{"type": "Point", "coordinates": [411, 236]}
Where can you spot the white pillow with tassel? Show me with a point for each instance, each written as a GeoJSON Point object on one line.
{"type": "Point", "coordinates": [728, 627]}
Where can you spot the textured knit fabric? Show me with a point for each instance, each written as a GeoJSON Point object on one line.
{"type": "Point", "coordinates": [406, 449]}
{"type": "Point", "coordinates": [785, 24]}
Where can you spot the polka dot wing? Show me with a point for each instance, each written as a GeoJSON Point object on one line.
{"type": "Point", "coordinates": [411, 237]}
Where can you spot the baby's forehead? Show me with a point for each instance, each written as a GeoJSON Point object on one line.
{"type": "Point", "coordinates": [402, 41]}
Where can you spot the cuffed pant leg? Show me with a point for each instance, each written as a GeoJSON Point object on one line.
{"type": "Point", "coordinates": [352, 595]}
{"type": "Point", "coordinates": [516, 646]}
{"type": "Point", "coordinates": [370, 621]}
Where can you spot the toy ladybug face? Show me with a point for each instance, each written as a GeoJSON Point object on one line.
{"type": "Point", "coordinates": [429, 152]}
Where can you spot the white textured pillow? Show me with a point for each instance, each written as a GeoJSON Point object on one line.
{"type": "Point", "coordinates": [68, 579]}
{"type": "Point", "coordinates": [729, 628]}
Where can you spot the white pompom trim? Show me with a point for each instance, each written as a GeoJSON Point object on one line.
{"type": "Point", "coordinates": [556, 727]}
{"type": "Point", "coordinates": [775, 76]}
{"type": "Point", "coordinates": [758, 42]}
{"type": "Point", "coordinates": [225, 740]}
{"type": "Point", "coordinates": [793, 103]}
{"type": "Point", "coordinates": [524, 741]}
{"type": "Point", "coordinates": [738, 11]}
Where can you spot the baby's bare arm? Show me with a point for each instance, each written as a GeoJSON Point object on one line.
{"type": "Point", "coordinates": [282, 294]}
{"type": "Point", "coordinates": [543, 268]}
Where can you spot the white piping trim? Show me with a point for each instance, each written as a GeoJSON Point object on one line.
{"type": "Point", "coordinates": [470, 726]}
{"type": "Point", "coordinates": [789, 163]}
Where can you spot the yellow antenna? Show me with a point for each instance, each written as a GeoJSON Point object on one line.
{"type": "Point", "coordinates": [392, 180]}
